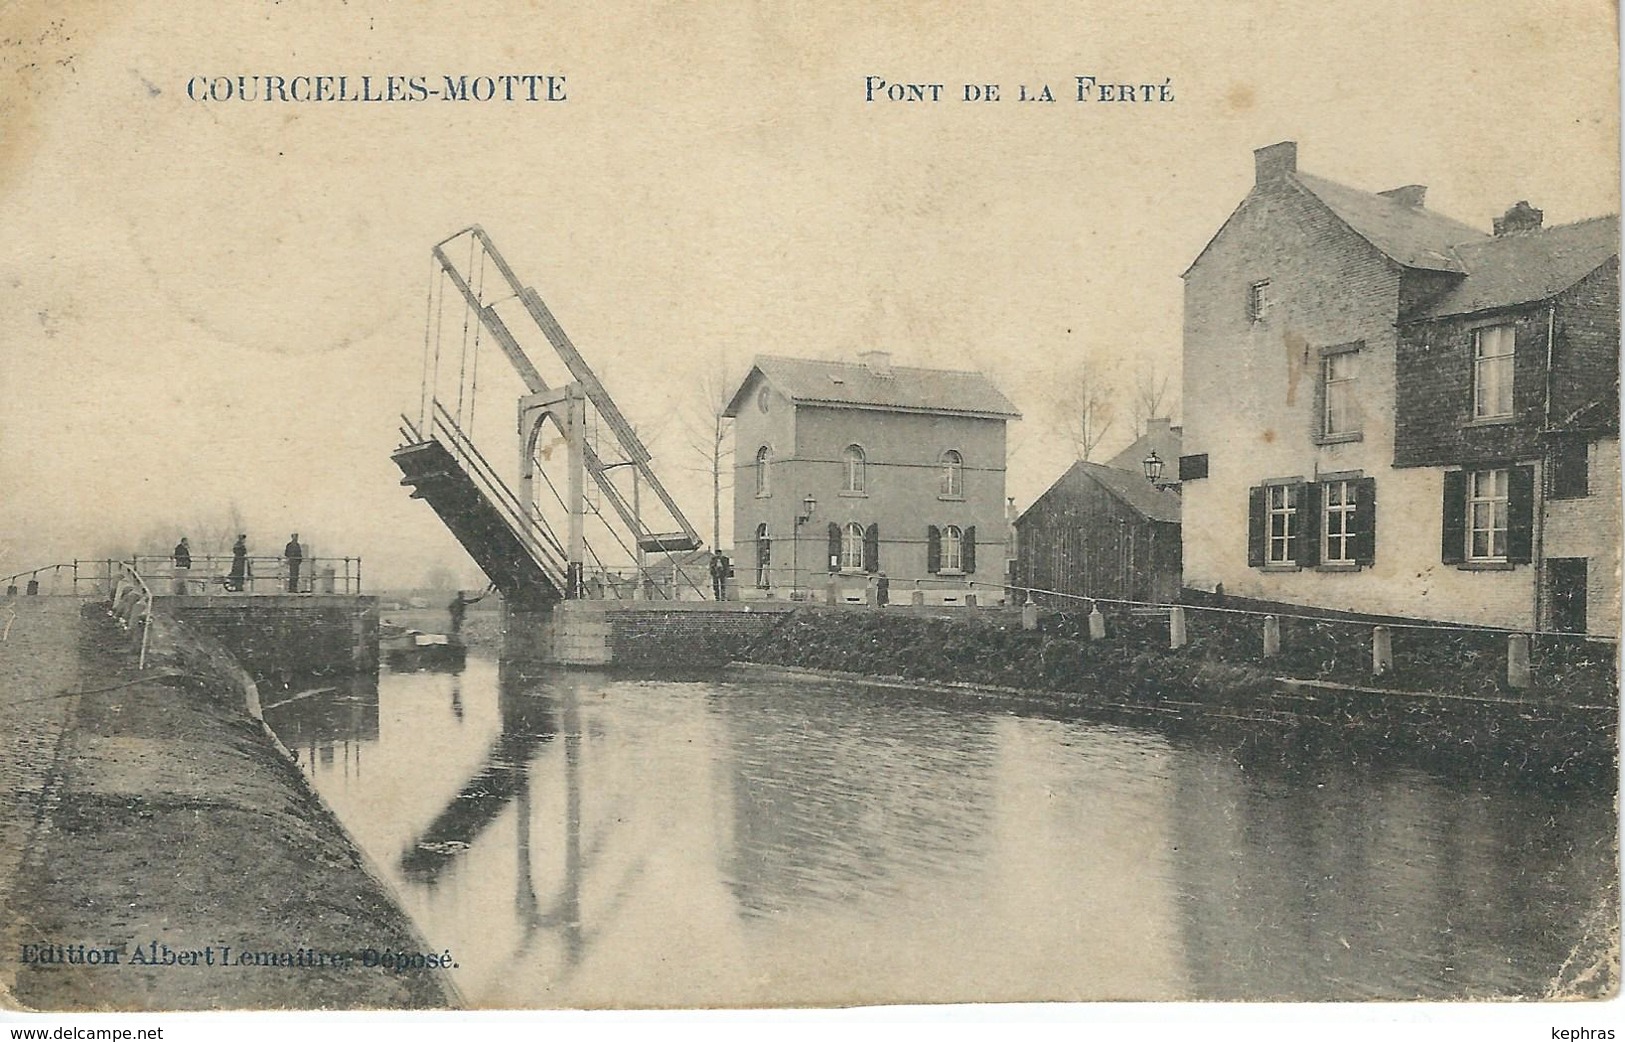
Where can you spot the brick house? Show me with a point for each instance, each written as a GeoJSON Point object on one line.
{"type": "Point", "coordinates": [905, 469]}
{"type": "Point", "coordinates": [1379, 402]}
{"type": "Point", "coordinates": [1104, 530]}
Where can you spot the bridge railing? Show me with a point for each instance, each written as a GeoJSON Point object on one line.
{"type": "Point", "coordinates": [215, 574]}
{"type": "Point", "coordinates": [541, 543]}
{"type": "Point", "coordinates": [131, 602]}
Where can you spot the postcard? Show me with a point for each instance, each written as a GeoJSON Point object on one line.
{"type": "Point", "coordinates": [753, 506]}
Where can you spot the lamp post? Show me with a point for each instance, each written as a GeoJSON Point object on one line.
{"type": "Point", "coordinates": [808, 505]}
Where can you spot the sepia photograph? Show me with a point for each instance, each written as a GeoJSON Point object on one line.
{"type": "Point", "coordinates": [749, 506]}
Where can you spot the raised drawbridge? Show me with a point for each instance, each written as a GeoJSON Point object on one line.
{"type": "Point", "coordinates": [565, 529]}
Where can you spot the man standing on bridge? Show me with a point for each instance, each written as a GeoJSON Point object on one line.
{"type": "Point", "coordinates": [295, 554]}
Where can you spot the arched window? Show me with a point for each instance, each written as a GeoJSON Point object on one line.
{"type": "Point", "coordinates": [764, 557]}
{"type": "Point", "coordinates": [852, 546]}
{"type": "Point", "coordinates": [953, 474]}
{"type": "Point", "coordinates": [854, 468]}
{"type": "Point", "coordinates": [764, 456]}
{"type": "Point", "coordinates": [952, 546]}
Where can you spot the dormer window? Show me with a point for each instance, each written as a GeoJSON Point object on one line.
{"type": "Point", "coordinates": [1258, 300]}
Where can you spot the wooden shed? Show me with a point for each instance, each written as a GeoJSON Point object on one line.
{"type": "Point", "coordinates": [1104, 532]}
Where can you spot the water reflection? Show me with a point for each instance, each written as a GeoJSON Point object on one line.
{"type": "Point", "coordinates": [581, 839]}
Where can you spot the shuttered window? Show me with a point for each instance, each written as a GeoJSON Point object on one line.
{"type": "Point", "coordinates": [852, 546]}
{"type": "Point", "coordinates": [1488, 516]}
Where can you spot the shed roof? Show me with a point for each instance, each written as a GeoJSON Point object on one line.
{"type": "Point", "coordinates": [906, 389]}
{"type": "Point", "coordinates": [1127, 486]}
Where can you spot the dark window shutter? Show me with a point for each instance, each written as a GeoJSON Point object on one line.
{"type": "Point", "coordinates": [871, 549]}
{"type": "Point", "coordinates": [834, 547]}
{"type": "Point", "coordinates": [1257, 519]}
{"type": "Point", "coordinates": [1192, 468]}
{"type": "Point", "coordinates": [1520, 514]}
{"type": "Point", "coordinates": [933, 549]}
{"type": "Point", "coordinates": [1365, 521]}
{"type": "Point", "coordinates": [1309, 523]}
{"type": "Point", "coordinates": [967, 551]}
{"type": "Point", "coordinates": [1453, 538]}
{"type": "Point", "coordinates": [1568, 468]}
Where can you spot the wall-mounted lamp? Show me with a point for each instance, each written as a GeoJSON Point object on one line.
{"type": "Point", "coordinates": [808, 505]}
{"type": "Point", "coordinates": [1152, 465]}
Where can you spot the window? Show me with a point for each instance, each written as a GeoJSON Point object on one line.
{"type": "Point", "coordinates": [1340, 373]}
{"type": "Point", "coordinates": [952, 549]}
{"type": "Point", "coordinates": [764, 557]}
{"type": "Point", "coordinates": [1492, 373]}
{"type": "Point", "coordinates": [852, 547]}
{"type": "Point", "coordinates": [1338, 528]}
{"type": "Point", "coordinates": [854, 465]}
{"type": "Point", "coordinates": [953, 475]}
{"type": "Point", "coordinates": [764, 399]}
{"type": "Point", "coordinates": [764, 456]}
{"type": "Point", "coordinates": [1487, 515]}
{"type": "Point", "coordinates": [1283, 524]}
{"type": "Point", "coordinates": [1258, 300]}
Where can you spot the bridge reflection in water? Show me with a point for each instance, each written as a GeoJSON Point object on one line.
{"type": "Point", "coordinates": [583, 839]}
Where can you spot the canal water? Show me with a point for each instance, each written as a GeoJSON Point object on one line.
{"type": "Point", "coordinates": [584, 839]}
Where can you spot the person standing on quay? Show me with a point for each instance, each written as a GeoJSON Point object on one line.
{"type": "Point", "coordinates": [239, 564]}
{"type": "Point", "coordinates": [295, 555]}
{"type": "Point", "coordinates": [182, 555]}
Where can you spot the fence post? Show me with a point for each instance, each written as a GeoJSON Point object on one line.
{"type": "Point", "coordinates": [1518, 672]}
{"type": "Point", "coordinates": [1176, 627]}
{"type": "Point", "coordinates": [1382, 651]}
{"type": "Point", "coordinates": [1097, 623]}
{"type": "Point", "coordinates": [1029, 615]}
{"type": "Point", "coordinates": [1272, 636]}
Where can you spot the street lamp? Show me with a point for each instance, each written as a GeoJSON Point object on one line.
{"type": "Point", "coordinates": [1152, 465]}
{"type": "Point", "coordinates": [808, 505]}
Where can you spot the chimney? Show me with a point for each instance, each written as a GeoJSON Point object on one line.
{"type": "Point", "coordinates": [877, 362]}
{"type": "Point", "coordinates": [1158, 425]}
{"type": "Point", "coordinates": [1519, 219]}
{"type": "Point", "coordinates": [1273, 162]}
{"type": "Point", "coordinates": [1407, 195]}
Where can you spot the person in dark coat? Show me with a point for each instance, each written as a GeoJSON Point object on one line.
{"type": "Point", "coordinates": [719, 577]}
{"type": "Point", "coordinates": [295, 555]}
{"type": "Point", "coordinates": [182, 554]}
{"type": "Point", "coordinates": [239, 564]}
{"type": "Point", "coordinates": [459, 608]}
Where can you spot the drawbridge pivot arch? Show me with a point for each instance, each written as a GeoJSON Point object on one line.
{"type": "Point", "coordinates": [514, 535]}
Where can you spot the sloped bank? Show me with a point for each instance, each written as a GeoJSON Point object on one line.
{"type": "Point", "coordinates": [1446, 700]}
{"type": "Point", "coordinates": [189, 852]}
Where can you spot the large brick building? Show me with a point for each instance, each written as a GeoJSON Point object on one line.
{"type": "Point", "coordinates": [904, 467]}
{"type": "Point", "coordinates": [1391, 412]}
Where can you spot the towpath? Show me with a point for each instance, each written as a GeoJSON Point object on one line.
{"type": "Point", "coordinates": [147, 815]}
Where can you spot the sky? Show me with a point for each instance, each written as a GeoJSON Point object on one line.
{"type": "Point", "coordinates": [210, 308]}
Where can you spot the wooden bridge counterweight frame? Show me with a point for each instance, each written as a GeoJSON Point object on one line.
{"type": "Point", "coordinates": [584, 460]}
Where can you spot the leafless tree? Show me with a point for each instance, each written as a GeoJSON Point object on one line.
{"type": "Point", "coordinates": [707, 432]}
{"type": "Point", "coordinates": [1086, 409]}
{"type": "Point", "coordinates": [1153, 396]}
